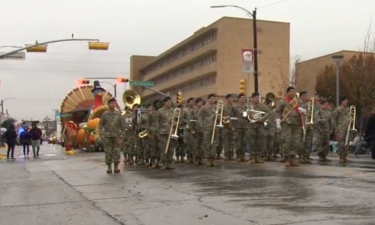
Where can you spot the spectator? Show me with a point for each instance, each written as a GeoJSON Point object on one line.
{"type": "Point", "coordinates": [25, 141]}
{"type": "Point", "coordinates": [35, 136]}
{"type": "Point", "coordinates": [370, 133]}
{"type": "Point", "coordinates": [11, 140]}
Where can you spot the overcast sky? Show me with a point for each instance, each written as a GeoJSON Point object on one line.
{"type": "Point", "coordinates": [144, 27]}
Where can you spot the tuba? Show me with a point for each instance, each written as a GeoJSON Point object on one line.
{"type": "Point", "coordinates": [269, 99]}
{"type": "Point", "coordinates": [351, 125]}
{"type": "Point", "coordinates": [173, 134]}
{"type": "Point", "coordinates": [131, 98]}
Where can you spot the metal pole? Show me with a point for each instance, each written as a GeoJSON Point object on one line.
{"type": "Point", "coordinates": [2, 107]}
{"type": "Point", "coordinates": [255, 39]}
{"type": "Point", "coordinates": [156, 91]}
{"type": "Point", "coordinates": [44, 43]}
{"type": "Point", "coordinates": [248, 91]}
{"type": "Point", "coordinates": [337, 85]}
{"type": "Point", "coordinates": [115, 90]}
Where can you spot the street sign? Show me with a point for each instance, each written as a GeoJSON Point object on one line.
{"type": "Point", "coordinates": [142, 83]}
{"type": "Point", "coordinates": [247, 60]}
{"type": "Point", "coordinates": [15, 56]}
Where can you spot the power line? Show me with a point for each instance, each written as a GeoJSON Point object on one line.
{"type": "Point", "coordinates": [275, 3]}
{"type": "Point", "coordinates": [57, 71]}
{"type": "Point", "coordinates": [62, 61]}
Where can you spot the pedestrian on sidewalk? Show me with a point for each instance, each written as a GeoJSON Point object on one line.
{"type": "Point", "coordinates": [11, 139]}
{"type": "Point", "coordinates": [35, 136]}
{"type": "Point", "coordinates": [25, 140]}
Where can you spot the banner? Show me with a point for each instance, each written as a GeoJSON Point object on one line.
{"type": "Point", "coordinates": [247, 60]}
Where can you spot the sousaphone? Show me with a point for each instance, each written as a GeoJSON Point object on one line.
{"type": "Point", "coordinates": [131, 98]}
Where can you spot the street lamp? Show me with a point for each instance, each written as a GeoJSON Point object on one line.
{"type": "Point", "coordinates": [252, 15]}
{"type": "Point", "coordinates": [338, 59]}
{"type": "Point", "coordinates": [2, 103]}
{"type": "Point", "coordinates": [113, 85]}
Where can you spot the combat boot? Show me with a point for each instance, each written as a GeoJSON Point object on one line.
{"type": "Point", "coordinates": [169, 166]}
{"type": "Point", "coordinates": [164, 166]}
{"type": "Point", "coordinates": [238, 158]}
{"type": "Point", "coordinates": [293, 162]}
{"type": "Point", "coordinates": [116, 169]}
{"type": "Point", "coordinates": [243, 158]}
{"type": "Point", "coordinates": [346, 158]}
{"type": "Point", "coordinates": [342, 160]}
{"type": "Point", "coordinates": [182, 159]}
{"type": "Point", "coordinates": [154, 163]}
{"type": "Point", "coordinates": [257, 159]}
{"type": "Point", "coordinates": [287, 162]}
{"type": "Point", "coordinates": [252, 159]}
{"type": "Point", "coordinates": [208, 162]}
{"type": "Point", "coordinates": [109, 169]}
{"type": "Point", "coordinates": [212, 163]}
{"type": "Point", "coordinates": [177, 159]}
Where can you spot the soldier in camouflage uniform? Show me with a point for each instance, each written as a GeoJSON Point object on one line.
{"type": "Point", "coordinates": [153, 135]}
{"type": "Point", "coordinates": [323, 130]}
{"type": "Point", "coordinates": [128, 135]}
{"type": "Point", "coordinates": [241, 129]}
{"type": "Point", "coordinates": [256, 131]}
{"type": "Point", "coordinates": [163, 125]}
{"type": "Point", "coordinates": [304, 152]}
{"type": "Point", "coordinates": [270, 134]}
{"type": "Point", "coordinates": [198, 152]}
{"type": "Point", "coordinates": [230, 112]}
{"type": "Point", "coordinates": [146, 141]}
{"type": "Point", "coordinates": [341, 119]}
{"type": "Point", "coordinates": [189, 121]}
{"type": "Point", "coordinates": [181, 142]}
{"type": "Point", "coordinates": [110, 130]}
{"type": "Point", "coordinates": [291, 127]}
{"type": "Point", "coordinates": [206, 119]}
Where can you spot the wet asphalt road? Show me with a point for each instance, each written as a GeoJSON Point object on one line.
{"type": "Point", "coordinates": [61, 189]}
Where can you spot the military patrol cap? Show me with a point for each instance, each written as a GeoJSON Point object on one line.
{"type": "Point", "coordinates": [289, 89]}
{"type": "Point", "coordinates": [167, 99]}
{"type": "Point", "coordinates": [343, 99]}
{"type": "Point", "coordinates": [198, 100]}
{"type": "Point", "coordinates": [303, 93]}
{"type": "Point", "coordinates": [255, 94]}
{"type": "Point", "coordinates": [240, 95]}
{"type": "Point", "coordinates": [149, 105]}
{"type": "Point", "coordinates": [113, 99]}
{"type": "Point", "coordinates": [322, 101]}
{"type": "Point", "coordinates": [211, 96]}
{"type": "Point", "coordinates": [228, 96]}
{"type": "Point", "coordinates": [190, 99]}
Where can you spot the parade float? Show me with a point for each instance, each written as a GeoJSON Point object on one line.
{"type": "Point", "coordinates": [80, 114]}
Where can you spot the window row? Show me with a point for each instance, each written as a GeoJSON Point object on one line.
{"type": "Point", "coordinates": [186, 69]}
{"type": "Point", "coordinates": [204, 40]}
{"type": "Point", "coordinates": [207, 81]}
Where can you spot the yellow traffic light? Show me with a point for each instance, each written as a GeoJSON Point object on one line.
{"type": "Point", "coordinates": [179, 97]}
{"type": "Point", "coordinates": [243, 86]}
{"type": "Point", "coordinates": [38, 48]}
{"type": "Point", "coordinates": [103, 46]}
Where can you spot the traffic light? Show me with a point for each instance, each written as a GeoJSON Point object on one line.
{"type": "Point", "coordinates": [102, 46]}
{"type": "Point", "coordinates": [179, 97]}
{"type": "Point", "coordinates": [243, 87]}
{"type": "Point", "coordinates": [122, 80]}
{"type": "Point", "coordinates": [83, 81]}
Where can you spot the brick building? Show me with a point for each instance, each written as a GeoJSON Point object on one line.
{"type": "Point", "coordinates": [210, 61]}
{"type": "Point", "coordinates": [307, 71]}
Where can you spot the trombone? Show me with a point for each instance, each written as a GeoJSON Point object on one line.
{"type": "Point", "coordinates": [351, 125]}
{"type": "Point", "coordinates": [310, 108]}
{"type": "Point", "coordinates": [219, 110]}
{"type": "Point", "coordinates": [173, 135]}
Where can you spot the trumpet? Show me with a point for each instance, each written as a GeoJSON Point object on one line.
{"type": "Point", "coordinates": [173, 135]}
{"type": "Point", "coordinates": [219, 110]}
{"type": "Point", "coordinates": [351, 125]}
{"type": "Point", "coordinates": [143, 134]}
{"type": "Point", "coordinates": [310, 107]}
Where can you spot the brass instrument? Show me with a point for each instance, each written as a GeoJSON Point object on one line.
{"type": "Point", "coordinates": [130, 98]}
{"type": "Point", "coordinates": [310, 107]}
{"type": "Point", "coordinates": [292, 104]}
{"type": "Point", "coordinates": [219, 110]}
{"type": "Point", "coordinates": [351, 125]}
{"type": "Point", "coordinates": [173, 135]}
{"type": "Point", "coordinates": [269, 99]}
{"type": "Point", "coordinates": [143, 134]}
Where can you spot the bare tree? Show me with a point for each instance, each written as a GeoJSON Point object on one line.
{"type": "Point", "coordinates": [293, 73]}
{"type": "Point", "coordinates": [280, 82]}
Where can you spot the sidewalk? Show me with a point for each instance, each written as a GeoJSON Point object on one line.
{"type": "Point", "coordinates": [47, 151]}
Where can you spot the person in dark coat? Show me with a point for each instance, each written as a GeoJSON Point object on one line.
{"type": "Point", "coordinates": [369, 134]}
{"type": "Point", "coordinates": [25, 141]}
{"type": "Point", "coordinates": [11, 139]}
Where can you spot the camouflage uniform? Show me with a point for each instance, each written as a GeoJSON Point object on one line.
{"type": "Point", "coordinates": [291, 129]}
{"type": "Point", "coordinates": [341, 119]}
{"type": "Point", "coordinates": [180, 145]}
{"type": "Point", "coordinates": [206, 119]}
{"type": "Point", "coordinates": [256, 133]}
{"type": "Point", "coordinates": [164, 123]}
{"type": "Point", "coordinates": [110, 129]}
{"type": "Point", "coordinates": [191, 140]}
{"type": "Point", "coordinates": [153, 135]}
{"type": "Point", "coordinates": [323, 126]}
{"type": "Point", "coordinates": [145, 142]}
{"type": "Point", "coordinates": [128, 136]}
{"type": "Point", "coordinates": [240, 134]}
{"type": "Point", "coordinates": [305, 150]}
{"type": "Point", "coordinates": [230, 111]}
{"type": "Point", "coordinates": [270, 136]}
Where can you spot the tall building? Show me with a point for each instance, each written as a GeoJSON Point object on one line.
{"type": "Point", "coordinates": [210, 61]}
{"type": "Point", "coordinates": [308, 70]}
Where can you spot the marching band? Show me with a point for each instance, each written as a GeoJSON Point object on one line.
{"type": "Point", "coordinates": [195, 134]}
